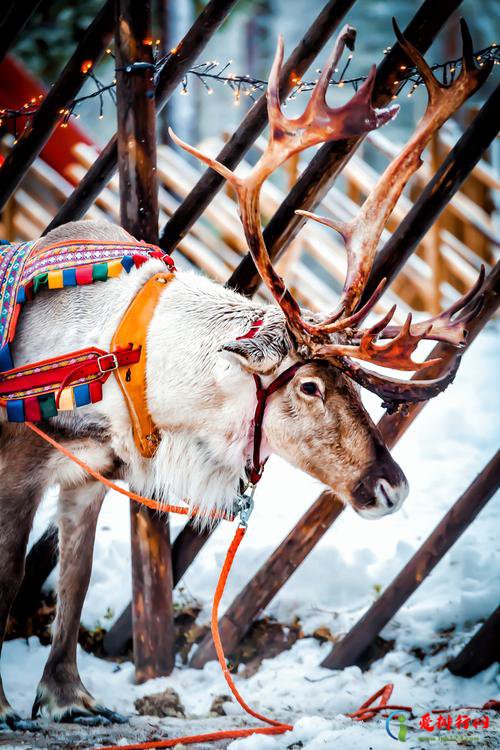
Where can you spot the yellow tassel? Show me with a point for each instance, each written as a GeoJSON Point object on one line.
{"type": "Point", "coordinates": [114, 268]}
{"type": "Point", "coordinates": [66, 402]}
{"type": "Point", "coordinates": [55, 279]}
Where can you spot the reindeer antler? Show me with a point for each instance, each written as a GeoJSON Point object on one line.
{"type": "Point", "coordinates": [362, 234]}
{"type": "Point", "coordinates": [320, 123]}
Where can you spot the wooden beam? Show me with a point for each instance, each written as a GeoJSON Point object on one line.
{"type": "Point", "coordinates": [253, 124]}
{"type": "Point", "coordinates": [39, 128]}
{"type": "Point", "coordinates": [481, 651]}
{"type": "Point", "coordinates": [453, 524]}
{"type": "Point", "coordinates": [152, 606]}
{"type": "Point", "coordinates": [457, 166]}
{"type": "Point", "coordinates": [15, 18]}
{"type": "Point", "coordinates": [247, 603]}
{"type": "Point", "coordinates": [325, 166]}
{"type": "Point", "coordinates": [186, 52]}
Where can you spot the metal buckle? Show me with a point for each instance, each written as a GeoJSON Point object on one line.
{"type": "Point", "coordinates": [245, 505]}
{"type": "Point", "coordinates": [114, 359]}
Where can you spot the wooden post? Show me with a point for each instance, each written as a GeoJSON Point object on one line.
{"type": "Point", "coordinates": [481, 651]}
{"type": "Point", "coordinates": [151, 554]}
{"type": "Point", "coordinates": [186, 52]}
{"type": "Point", "coordinates": [247, 603]}
{"type": "Point", "coordinates": [186, 546]}
{"type": "Point", "coordinates": [449, 529]}
{"type": "Point", "coordinates": [252, 124]}
{"type": "Point", "coordinates": [39, 129]}
{"type": "Point", "coordinates": [436, 195]}
{"type": "Point", "coordinates": [15, 18]}
{"type": "Point", "coordinates": [324, 167]}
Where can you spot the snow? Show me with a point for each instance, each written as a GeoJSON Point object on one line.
{"type": "Point", "coordinates": [441, 453]}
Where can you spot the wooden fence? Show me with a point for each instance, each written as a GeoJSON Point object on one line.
{"type": "Point", "coordinates": [150, 615]}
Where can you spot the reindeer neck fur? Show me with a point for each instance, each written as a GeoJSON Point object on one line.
{"type": "Point", "coordinates": [202, 403]}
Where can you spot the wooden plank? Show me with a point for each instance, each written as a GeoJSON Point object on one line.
{"type": "Point", "coordinates": [40, 126]}
{"type": "Point", "coordinates": [152, 605]}
{"type": "Point", "coordinates": [253, 123]}
{"type": "Point", "coordinates": [186, 52]}
{"type": "Point", "coordinates": [324, 167]}
{"type": "Point", "coordinates": [432, 249]}
{"type": "Point", "coordinates": [481, 651]}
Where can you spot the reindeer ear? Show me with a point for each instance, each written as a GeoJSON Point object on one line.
{"type": "Point", "coordinates": [263, 352]}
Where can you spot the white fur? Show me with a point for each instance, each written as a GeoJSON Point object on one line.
{"type": "Point", "coordinates": [202, 403]}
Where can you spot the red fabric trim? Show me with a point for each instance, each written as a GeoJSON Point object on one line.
{"type": "Point", "coordinates": [102, 367]}
{"type": "Point", "coordinates": [13, 323]}
{"type": "Point", "coordinates": [252, 331]}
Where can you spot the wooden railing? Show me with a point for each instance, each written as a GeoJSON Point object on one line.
{"type": "Point", "coordinates": [445, 264]}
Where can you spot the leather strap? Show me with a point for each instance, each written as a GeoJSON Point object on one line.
{"type": "Point", "coordinates": [131, 334]}
{"type": "Point", "coordinates": [262, 396]}
{"type": "Point", "coordinates": [61, 371]}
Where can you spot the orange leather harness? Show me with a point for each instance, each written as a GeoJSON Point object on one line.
{"type": "Point", "coordinates": [132, 334]}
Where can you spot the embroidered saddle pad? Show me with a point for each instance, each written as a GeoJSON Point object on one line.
{"type": "Point", "coordinates": [25, 270]}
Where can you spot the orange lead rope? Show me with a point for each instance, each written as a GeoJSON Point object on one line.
{"type": "Point", "coordinates": [275, 727]}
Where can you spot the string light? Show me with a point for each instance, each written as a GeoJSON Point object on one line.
{"type": "Point", "coordinates": [211, 71]}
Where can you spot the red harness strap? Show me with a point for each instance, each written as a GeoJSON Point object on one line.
{"type": "Point", "coordinates": [262, 396]}
{"type": "Point", "coordinates": [86, 364]}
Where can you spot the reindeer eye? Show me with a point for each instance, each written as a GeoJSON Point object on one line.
{"type": "Point", "coordinates": [310, 389]}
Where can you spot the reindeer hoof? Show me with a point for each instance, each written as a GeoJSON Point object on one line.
{"type": "Point", "coordinates": [81, 709]}
{"type": "Point", "coordinates": [10, 721]}
{"type": "Point", "coordinates": [100, 716]}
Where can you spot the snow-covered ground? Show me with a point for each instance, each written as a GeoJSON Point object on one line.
{"type": "Point", "coordinates": [441, 453]}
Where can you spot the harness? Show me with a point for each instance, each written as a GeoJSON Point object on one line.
{"type": "Point", "coordinates": [41, 390]}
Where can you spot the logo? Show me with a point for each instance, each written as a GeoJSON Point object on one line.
{"type": "Point", "coordinates": [403, 729]}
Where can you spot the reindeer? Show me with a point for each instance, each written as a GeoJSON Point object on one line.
{"type": "Point", "coordinates": [207, 346]}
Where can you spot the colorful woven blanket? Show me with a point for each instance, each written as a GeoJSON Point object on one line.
{"type": "Point", "coordinates": [24, 271]}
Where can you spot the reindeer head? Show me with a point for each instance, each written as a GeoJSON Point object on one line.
{"type": "Point", "coordinates": [317, 421]}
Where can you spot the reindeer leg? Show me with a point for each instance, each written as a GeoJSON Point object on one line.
{"type": "Point", "coordinates": [61, 692]}
{"type": "Point", "coordinates": [21, 489]}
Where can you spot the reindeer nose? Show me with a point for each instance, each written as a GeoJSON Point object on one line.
{"type": "Point", "coordinates": [382, 490]}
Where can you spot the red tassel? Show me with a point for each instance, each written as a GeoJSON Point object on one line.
{"type": "Point", "coordinates": [95, 389]}
{"type": "Point", "coordinates": [84, 275]}
{"type": "Point", "coordinates": [32, 411]}
{"type": "Point", "coordinates": [139, 260]}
